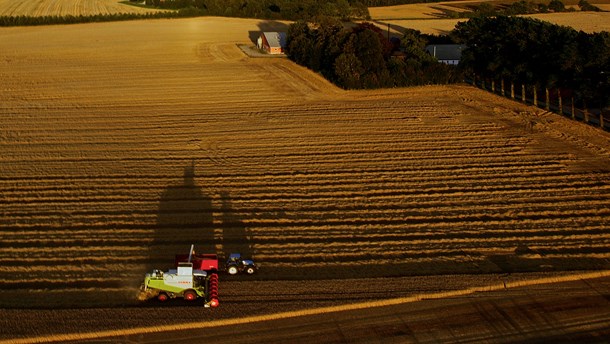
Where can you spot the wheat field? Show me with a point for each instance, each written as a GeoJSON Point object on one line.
{"type": "Point", "coordinates": [39, 8]}
{"type": "Point", "coordinates": [123, 143]}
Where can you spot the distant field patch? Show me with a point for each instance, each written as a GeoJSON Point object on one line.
{"type": "Point", "coordinates": [428, 18]}
{"type": "Point", "coordinates": [38, 8]}
{"type": "Point", "coordinates": [419, 11]}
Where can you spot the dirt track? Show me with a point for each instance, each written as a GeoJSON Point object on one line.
{"type": "Point", "coordinates": [123, 143]}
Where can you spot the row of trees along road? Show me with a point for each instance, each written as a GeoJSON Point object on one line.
{"type": "Point", "coordinates": [533, 52]}
{"type": "Point", "coordinates": [362, 56]}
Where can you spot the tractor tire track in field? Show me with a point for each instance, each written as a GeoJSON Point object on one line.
{"type": "Point", "coordinates": [109, 171]}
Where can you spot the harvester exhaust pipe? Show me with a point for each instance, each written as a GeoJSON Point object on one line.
{"type": "Point", "coordinates": [191, 252]}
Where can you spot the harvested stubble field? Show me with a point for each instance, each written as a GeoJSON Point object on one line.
{"type": "Point", "coordinates": [39, 8]}
{"type": "Point", "coordinates": [123, 143]}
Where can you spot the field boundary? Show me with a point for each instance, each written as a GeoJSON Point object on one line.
{"type": "Point", "coordinates": [307, 312]}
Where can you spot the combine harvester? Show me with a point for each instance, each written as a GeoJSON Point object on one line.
{"type": "Point", "coordinates": [182, 282]}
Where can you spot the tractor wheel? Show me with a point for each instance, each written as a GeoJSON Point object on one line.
{"type": "Point", "coordinates": [232, 270]}
{"type": "Point", "coordinates": [190, 295]}
{"type": "Point", "coordinates": [162, 297]}
{"type": "Point", "coordinates": [250, 270]}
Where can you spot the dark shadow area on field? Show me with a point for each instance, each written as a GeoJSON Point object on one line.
{"type": "Point", "coordinates": [266, 26]}
{"type": "Point", "coordinates": [444, 13]}
{"type": "Point", "coordinates": [186, 217]}
{"type": "Point", "coordinates": [524, 259]}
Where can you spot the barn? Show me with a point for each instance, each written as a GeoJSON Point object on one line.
{"type": "Point", "coordinates": [272, 42]}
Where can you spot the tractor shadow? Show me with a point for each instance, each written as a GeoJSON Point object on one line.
{"type": "Point", "coordinates": [235, 236]}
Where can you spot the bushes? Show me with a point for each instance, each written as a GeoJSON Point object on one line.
{"type": "Point", "coordinates": [362, 57]}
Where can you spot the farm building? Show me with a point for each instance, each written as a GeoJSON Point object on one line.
{"type": "Point", "coordinates": [272, 42]}
{"type": "Point", "coordinates": [446, 53]}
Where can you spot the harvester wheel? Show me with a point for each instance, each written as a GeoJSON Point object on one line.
{"type": "Point", "coordinates": [162, 297]}
{"type": "Point", "coordinates": [190, 295]}
{"type": "Point", "coordinates": [250, 270]}
{"type": "Point", "coordinates": [232, 270]}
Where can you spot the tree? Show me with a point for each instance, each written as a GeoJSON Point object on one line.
{"type": "Point", "coordinates": [414, 45]}
{"type": "Point", "coordinates": [299, 43]}
{"type": "Point", "coordinates": [327, 45]}
{"type": "Point", "coordinates": [586, 6]}
{"type": "Point", "coordinates": [557, 6]}
{"type": "Point", "coordinates": [348, 70]}
{"type": "Point", "coordinates": [367, 47]}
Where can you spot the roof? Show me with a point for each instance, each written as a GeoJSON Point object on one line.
{"type": "Point", "coordinates": [446, 51]}
{"type": "Point", "coordinates": [275, 39]}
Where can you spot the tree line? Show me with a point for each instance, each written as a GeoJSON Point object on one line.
{"type": "Point", "coordinates": [363, 57]}
{"type": "Point", "coordinates": [533, 52]}
{"type": "Point", "coordinates": [271, 9]}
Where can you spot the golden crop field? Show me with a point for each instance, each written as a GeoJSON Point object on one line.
{"type": "Point", "coordinates": [124, 143]}
{"type": "Point", "coordinates": [419, 10]}
{"type": "Point", "coordinates": [66, 7]}
{"type": "Point", "coordinates": [428, 19]}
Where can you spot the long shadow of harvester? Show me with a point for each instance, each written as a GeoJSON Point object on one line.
{"type": "Point", "coordinates": [185, 218]}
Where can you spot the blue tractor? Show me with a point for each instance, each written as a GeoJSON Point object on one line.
{"type": "Point", "coordinates": [236, 264]}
